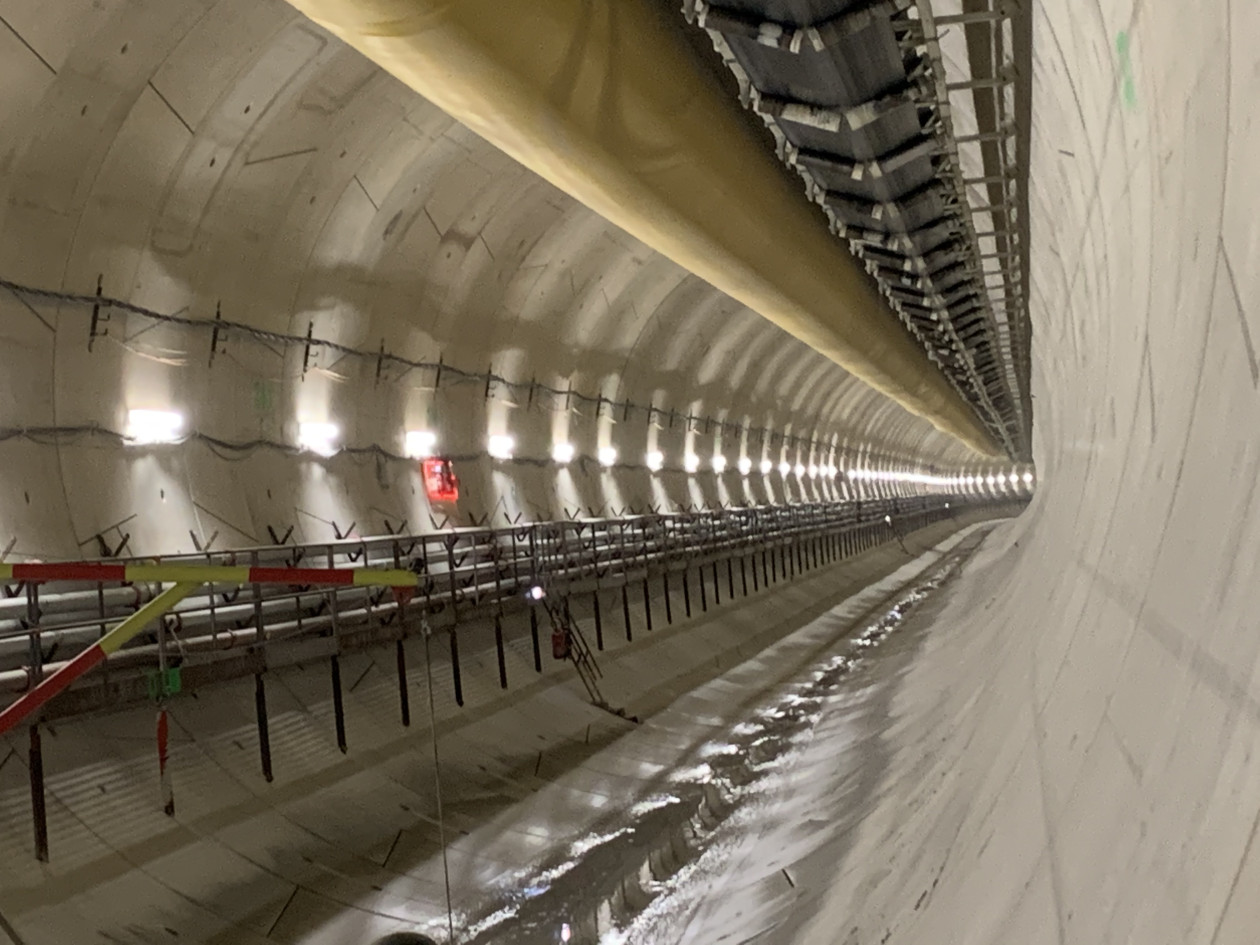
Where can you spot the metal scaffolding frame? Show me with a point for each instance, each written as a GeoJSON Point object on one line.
{"type": "Point", "coordinates": [859, 104]}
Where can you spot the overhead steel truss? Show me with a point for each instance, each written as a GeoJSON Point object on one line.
{"type": "Point", "coordinates": [859, 102]}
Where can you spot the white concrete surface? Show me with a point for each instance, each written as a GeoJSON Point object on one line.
{"type": "Point", "coordinates": [1072, 755]}
{"type": "Point", "coordinates": [204, 155]}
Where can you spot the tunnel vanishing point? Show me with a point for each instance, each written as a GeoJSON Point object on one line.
{"type": "Point", "coordinates": [629, 471]}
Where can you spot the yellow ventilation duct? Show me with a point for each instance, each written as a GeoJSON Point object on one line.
{"type": "Point", "coordinates": [607, 101]}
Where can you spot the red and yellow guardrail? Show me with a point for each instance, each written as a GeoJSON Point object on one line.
{"type": "Point", "coordinates": [206, 574]}
{"type": "Point", "coordinates": [185, 579]}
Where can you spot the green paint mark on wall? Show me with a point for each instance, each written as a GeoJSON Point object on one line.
{"type": "Point", "coordinates": [1128, 88]}
{"type": "Point", "coordinates": [264, 396]}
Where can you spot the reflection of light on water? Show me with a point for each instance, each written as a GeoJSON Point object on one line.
{"type": "Point", "coordinates": [802, 712]}
{"type": "Point", "coordinates": [700, 774]}
{"type": "Point", "coordinates": [586, 844]}
{"type": "Point", "coordinates": [712, 749]}
{"type": "Point", "coordinates": [490, 921]}
{"type": "Point", "coordinates": [653, 803]}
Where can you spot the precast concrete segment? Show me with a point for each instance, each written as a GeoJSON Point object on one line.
{"type": "Point", "coordinates": [12, 715]}
{"type": "Point", "coordinates": [607, 101]}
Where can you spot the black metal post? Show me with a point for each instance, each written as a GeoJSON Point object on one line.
{"type": "Point", "coordinates": [455, 675]}
{"type": "Point", "coordinates": [264, 727]}
{"type": "Point", "coordinates": [39, 812]}
{"type": "Point", "coordinates": [647, 608]}
{"type": "Point", "coordinates": [599, 621]}
{"type": "Point", "coordinates": [533, 632]}
{"type": "Point", "coordinates": [625, 611]}
{"type": "Point", "coordinates": [339, 710]}
{"type": "Point", "coordinates": [669, 604]}
{"type": "Point", "coordinates": [498, 645]}
{"type": "Point", "coordinates": [404, 701]}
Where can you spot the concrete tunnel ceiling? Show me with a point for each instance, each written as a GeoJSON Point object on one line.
{"type": "Point", "coordinates": [233, 160]}
{"type": "Point", "coordinates": [1067, 754]}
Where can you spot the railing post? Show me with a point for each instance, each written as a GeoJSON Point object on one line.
{"type": "Point", "coordinates": [260, 685]}
{"type": "Point", "coordinates": [498, 645]}
{"type": "Point", "coordinates": [625, 609]}
{"type": "Point", "coordinates": [533, 633]}
{"type": "Point", "coordinates": [39, 812]}
{"type": "Point", "coordinates": [669, 604]}
{"type": "Point", "coordinates": [647, 605]}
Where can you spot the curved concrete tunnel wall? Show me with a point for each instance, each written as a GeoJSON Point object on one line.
{"type": "Point", "coordinates": [1076, 753]}
{"type": "Point", "coordinates": [233, 157]}
{"type": "Point", "coordinates": [1075, 746]}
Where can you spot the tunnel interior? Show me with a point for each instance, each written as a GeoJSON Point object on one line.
{"type": "Point", "coordinates": [917, 612]}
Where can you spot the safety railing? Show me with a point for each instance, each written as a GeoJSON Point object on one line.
{"type": "Point", "coordinates": [257, 600]}
{"type": "Point", "coordinates": [152, 628]}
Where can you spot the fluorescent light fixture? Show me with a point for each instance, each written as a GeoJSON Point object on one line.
{"type": "Point", "coordinates": [655, 460]}
{"type": "Point", "coordinates": [765, 467]}
{"type": "Point", "coordinates": [784, 468]}
{"type": "Point", "coordinates": [992, 480]}
{"type": "Point", "coordinates": [319, 438]}
{"type": "Point", "coordinates": [563, 453]}
{"type": "Point", "coordinates": [154, 426]}
{"type": "Point", "coordinates": [853, 474]}
{"type": "Point", "coordinates": [1028, 478]}
{"type": "Point", "coordinates": [813, 471]}
{"type": "Point", "coordinates": [501, 446]}
{"type": "Point", "coordinates": [691, 462]}
{"type": "Point", "coordinates": [537, 593]}
{"type": "Point", "coordinates": [888, 519]}
{"type": "Point", "coordinates": [418, 444]}
{"type": "Point", "coordinates": [799, 470]}
{"type": "Point", "coordinates": [719, 464]}
{"type": "Point", "coordinates": [745, 465]}
{"type": "Point", "coordinates": [607, 455]}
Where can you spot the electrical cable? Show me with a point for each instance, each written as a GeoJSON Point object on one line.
{"type": "Point", "coordinates": [441, 370]}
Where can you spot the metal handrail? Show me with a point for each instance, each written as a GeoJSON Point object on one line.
{"type": "Point", "coordinates": [470, 571]}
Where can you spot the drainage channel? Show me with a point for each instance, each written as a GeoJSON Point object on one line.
{"type": "Point", "coordinates": [610, 877]}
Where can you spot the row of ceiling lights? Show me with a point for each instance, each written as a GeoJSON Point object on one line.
{"type": "Point", "coordinates": [161, 426]}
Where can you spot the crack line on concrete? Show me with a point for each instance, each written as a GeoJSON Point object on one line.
{"type": "Point", "coordinates": [1233, 887]}
{"type": "Point", "coordinates": [374, 204]}
{"type": "Point", "coordinates": [30, 308]}
{"type": "Point", "coordinates": [173, 111]}
{"type": "Point", "coordinates": [9, 930]}
{"type": "Point", "coordinates": [21, 39]}
{"type": "Point", "coordinates": [279, 157]}
{"type": "Point", "coordinates": [1242, 314]}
